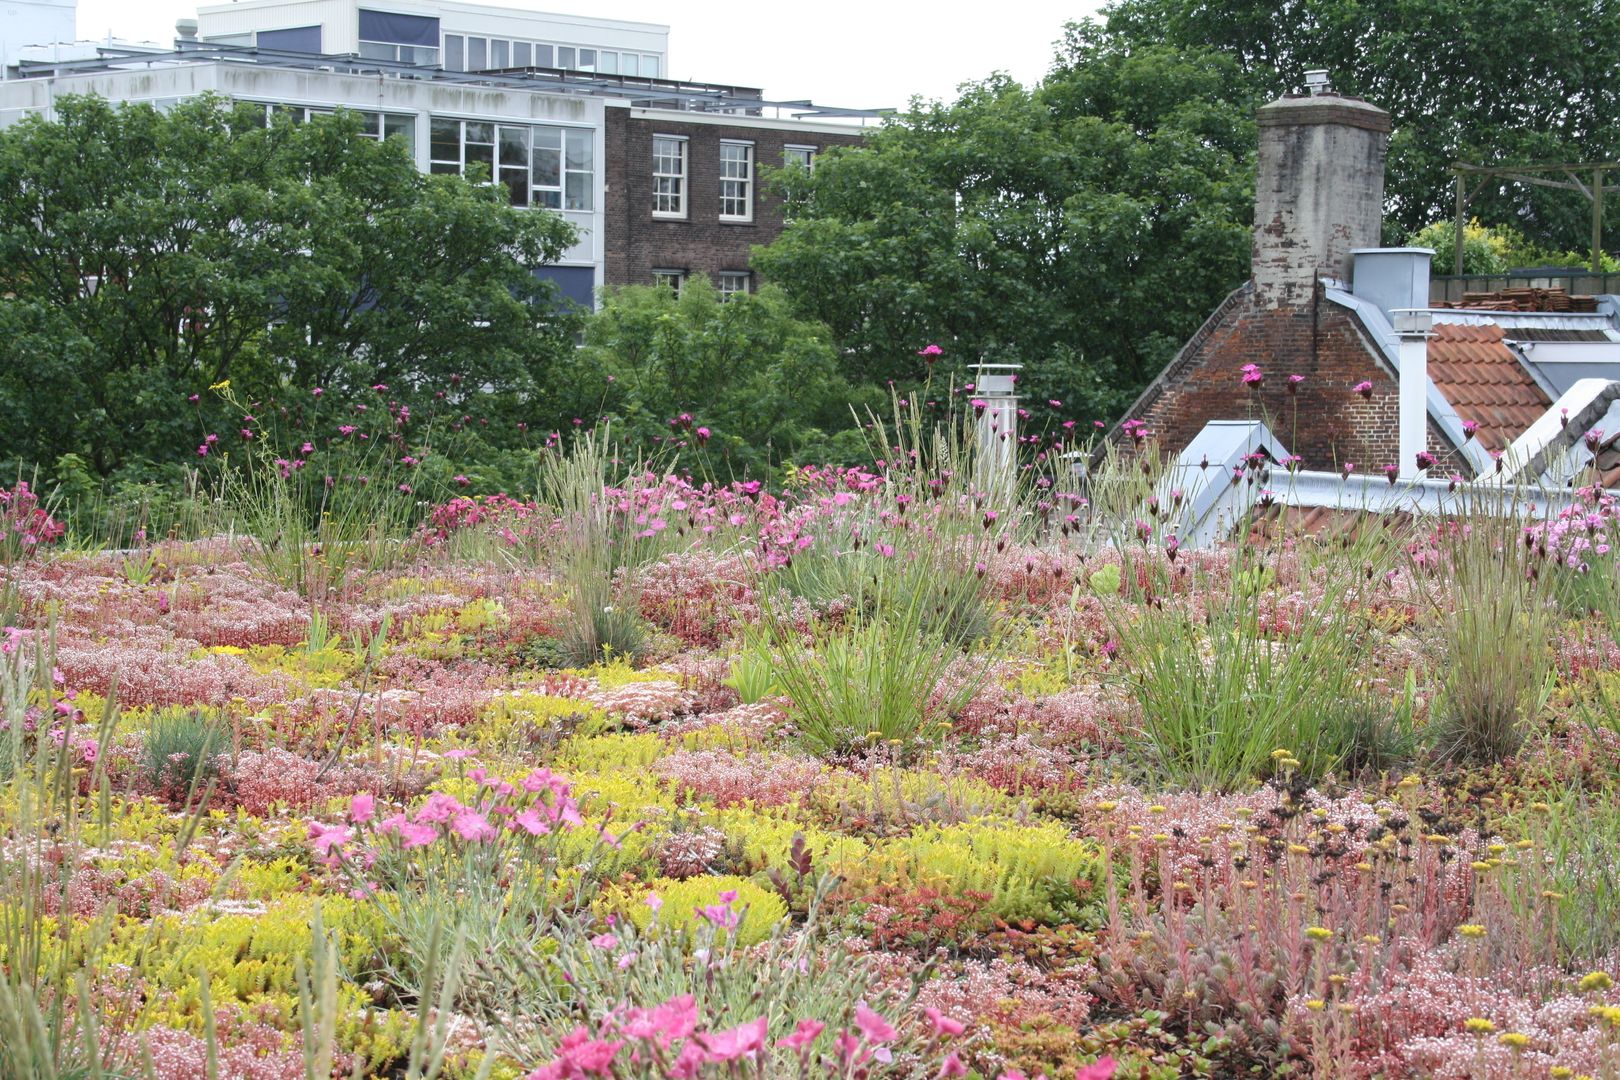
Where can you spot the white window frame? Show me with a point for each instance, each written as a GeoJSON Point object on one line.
{"type": "Point", "coordinates": [538, 195]}
{"type": "Point", "coordinates": [737, 189]}
{"type": "Point", "coordinates": [673, 278]}
{"type": "Point", "coordinates": [674, 201]}
{"type": "Point", "coordinates": [729, 283]}
{"type": "Point", "coordinates": [809, 152]}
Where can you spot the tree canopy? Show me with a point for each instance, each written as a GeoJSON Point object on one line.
{"type": "Point", "coordinates": [1508, 81]}
{"type": "Point", "coordinates": [146, 255]}
{"type": "Point", "coordinates": [1083, 227]}
{"type": "Point", "coordinates": [731, 387]}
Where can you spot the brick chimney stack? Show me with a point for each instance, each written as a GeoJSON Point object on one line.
{"type": "Point", "coordinates": [1319, 191]}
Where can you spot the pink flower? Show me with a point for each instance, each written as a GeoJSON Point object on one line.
{"type": "Point", "coordinates": [411, 834]}
{"type": "Point", "coordinates": [951, 1066]}
{"type": "Point", "coordinates": [930, 353]}
{"type": "Point", "coordinates": [1101, 1069]}
{"type": "Point", "coordinates": [362, 807]}
{"type": "Point", "coordinates": [874, 1027]}
{"type": "Point", "coordinates": [325, 837]}
{"type": "Point", "coordinates": [1364, 388]}
{"type": "Point", "coordinates": [655, 902]}
{"type": "Point", "coordinates": [943, 1025]}
{"type": "Point", "coordinates": [730, 1045]}
{"type": "Point", "coordinates": [531, 822]}
{"type": "Point", "coordinates": [806, 1033]}
{"type": "Point", "coordinates": [1252, 375]}
{"type": "Point", "coordinates": [663, 1024]}
{"type": "Point", "coordinates": [438, 808]}
{"type": "Point", "coordinates": [473, 826]}
{"type": "Point", "coordinates": [582, 1055]}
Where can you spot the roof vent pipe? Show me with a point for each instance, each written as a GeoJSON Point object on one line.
{"type": "Point", "coordinates": [1414, 330]}
{"type": "Point", "coordinates": [186, 30]}
{"type": "Point", "coordinates": [1316, 82]}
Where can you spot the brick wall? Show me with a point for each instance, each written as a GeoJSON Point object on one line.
{"type": "Point", "coordinates": [1326, 422]}
{"type": "Point", "coordinates": [635, 243]}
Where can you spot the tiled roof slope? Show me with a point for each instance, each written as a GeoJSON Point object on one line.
{"type": "Point", "coordinates": [1478, 374]}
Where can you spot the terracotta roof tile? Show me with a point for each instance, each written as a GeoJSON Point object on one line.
{"type": "Point", "coordinates": [1483, 380]}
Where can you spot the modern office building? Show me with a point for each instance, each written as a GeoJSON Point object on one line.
{"type": "Point", "coordinates": [571, 114]}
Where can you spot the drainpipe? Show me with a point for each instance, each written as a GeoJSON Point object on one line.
{"type": "Point", "coordinates": [1414, 327]}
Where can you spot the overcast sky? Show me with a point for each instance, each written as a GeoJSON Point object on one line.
{"type": "Point", "coordinates": [855, 53]}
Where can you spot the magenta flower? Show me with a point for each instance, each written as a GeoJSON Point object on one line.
{"type": "Point", "coordinates": [1470, 429]}
{"type": "Point", "coordinates": [1252, 375]}
{"type": "Point", "coordinates": [930, 353]}
{"type": "Point", "coordinates": [362, 807]}
{"type": "Point", "coordinates": [1364, 388]}
{"type": "Point", "coordinates": [951, 1066]}
{"type": "Point", "coordinates": [1391, 472]}
{"type": "Point", "coordinates": [1293, 383]}
{"type": "Point", "coordinates": [1425, 460]}
{"type": "Point", "coordinates": [702, 434]}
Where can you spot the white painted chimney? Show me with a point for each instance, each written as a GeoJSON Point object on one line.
{"type": "Point", "coordinates": [995, 401]}
{"type": "Point", "coordinates": [1413, 327]}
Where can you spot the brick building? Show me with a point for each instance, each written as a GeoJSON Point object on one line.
{"type": "Point", "coordinates": [1324, 301]}
{"type": "Point", "coordinates": [570, 114]}
{"type": "Point", "coordinates": [685, 191]}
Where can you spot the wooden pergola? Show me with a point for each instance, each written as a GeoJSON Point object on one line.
{"type": "Point", "coordinates": [1532, 174]}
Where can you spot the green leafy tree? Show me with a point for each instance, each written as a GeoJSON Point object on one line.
{"type": "Point", "coordinates": [1511, 81]}
{"type": "Point", "coordinates": [731, 387]}
{"type": "Point", "coordinates": [147, 255]}
{"type": "Point", "coordinates": [1083, 228]}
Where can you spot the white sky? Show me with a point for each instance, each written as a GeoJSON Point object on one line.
{"type": "Point", "coordinates": [854, 53]}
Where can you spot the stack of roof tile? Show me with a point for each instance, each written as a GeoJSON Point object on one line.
{"type": "Point", "coordinates": [1549, 300]}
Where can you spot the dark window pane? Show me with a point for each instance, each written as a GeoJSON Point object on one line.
{"type": "Point", "coordinates": [547, 168]}
{"type": "Point", "coordinates": [481, 155]}
{"type": "Point", "coordinates": [517, 185]}
{"type": "Point", "coordinates": [579, 191]}
{"type": "Point", "coordinates": [565, 57]}
{"type": "Point", "coordinates": [479, 131]}
{"type": "Point", "coordinates": [542, 56]}
{"type": "Point", "coordinates": [372, 50]}
{"type": "Point", "coordinates": [522, 55]}
{"type": "Point", "coordinates": [514, 147]}
{"type": "Point", "coordinates": [455, 53]}
{"type": "Point", "coordinates": [446, 141]}
{"type": "Point", "coordinates": [587, 59]}
{"type": "Point", "coordinates": [549, 199]}
{"type": "Point", "coordinates": [476, 54]}
{"type": "Point", "coordinates": [499, 53]}
{"type": "Point", "coordinates": [579, 149]}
